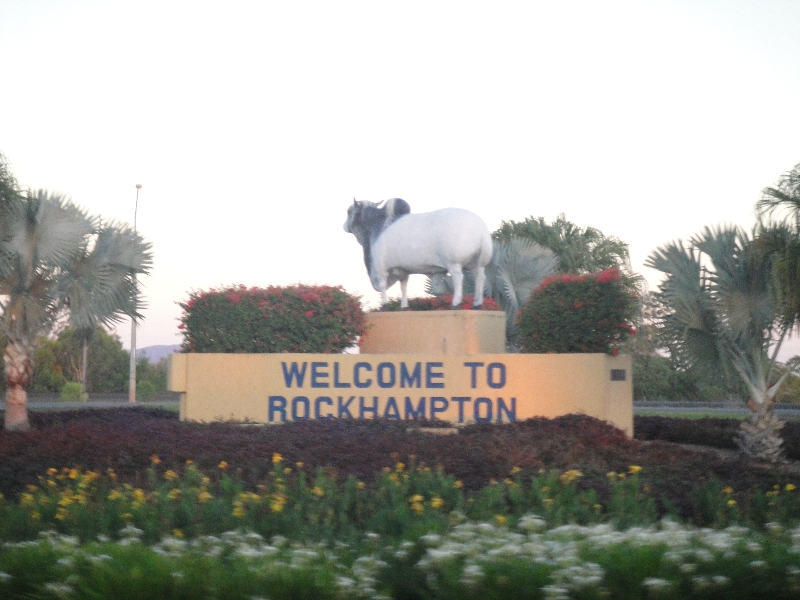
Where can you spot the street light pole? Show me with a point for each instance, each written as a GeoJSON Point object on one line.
{"type": "Point", "coordinates": [132, 382]}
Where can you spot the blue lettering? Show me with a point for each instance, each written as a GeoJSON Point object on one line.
{"type": "Point", "coordinates": [438, 405]}
{"type": "Point", "coordinates": [362, 408]}
{"type": "Point", "coordinates": [461, 400]}
{"type": "Point", "coordinates": [356, 377]}
{"type": "Point", "coordinates": [501, 380]}
{"type": "Point", "coordinates": [474, 374]}
{"type": "Point", "coordinates": [430, 375]}
{"type": "Point", "coordinates": [344, 407]}
{"type": "Point", "coordinates": [511, 414]}
{"type": "Point", "coordinates": [277, 404]}
{"type": "Point", "coordinates": [391, 411]}
{"type": "Point", "coordinates": [319, 401]}
{"type": "Point", "coordinates": [297, 400]}
{"type": "Point", "coordinates": [336, 382]}
{"type": "Point", "coordinates": [293, 373]}
{"type": "Point", "coordinates": [409, 379]}
{"type": "Point", "coordinates": [419, 413]}
{"type": "Point", "coordinates": [477, 410]}
{"type": "Point", "coordinates": [316, 375]}
{"type": "Point", "coordinates": [383, 381]}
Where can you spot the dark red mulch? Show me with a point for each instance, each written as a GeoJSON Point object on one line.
{"type": "Point", "coordinates": [125, 439]}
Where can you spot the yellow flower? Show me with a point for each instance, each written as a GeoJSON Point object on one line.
{"type": "Point", "coordinates": [548, 501]}
{"type": "Point", "coordinates": [73, 474]}
{"type": "Point", "coordinates": [727, 490]}
{"type": "Point", "coordinates": [62, 514]}
{"type": "Point", "coordinates": [393, 477]}
{"type": "Point", "coordinates": [731, 502]}
{"type": "Point", "coordinates": [222, 465]}
{"type": "Point", "coordinates": [299, 464]}
{"type": "Point", "coordinates": [508, 481]}
{"type": "Point", "coordinates": [570, 476]}
{"type": "Point", "coordinates": [170, 475]}
{"type": "Point", "coordinates": [500, 519]}
{"type": "Point", "coordinates": [416, 498]}
{"type": "Point", "coordinates": [155, 460]}
{"type": "Point", "coordinates": [361, 485]}
{"type": "Point", "coordinates": [276, 458]}
{"type": "Point", "coordinates": [436, 502]}
{"type": "Point", "coordinates": [621, 476]}
{"type": "Point", "coordinates": [611, 474]}
{"type": "Point", "coordinates": [51, 471]}
{"type": "Point", "coordinates": [174, 494]}
{"type": "Point", "coordinates": [633, 469]}
{"type": "Point", "coordinates": [458, 484]}
{"type": "Point", "coordinates": [238, 512]}
{"type": "Point", "coordinates": [598, 507]}
{"type": "Point", "coordinates": [515, 470]}
{"type": "Point", "coordinates": [139, 495]}
{"type": "Point", "coordinates": [790, 486]}
{"type": "Point", "coordinates": [36, 515]}
{"type": "Point", "coordinates": [417, 507]}
{"type": "Point", "coordinates": [189, 463]}
{"type": "Point", "coordinates": [177, 533]}
{"type": "Point", "coordinates": [318, 491]}
{"type": "Point", "coordinates": [127, 516]}
{"type": "Point", "coordinates": [204, 496]}
{"type": "Point", "coordinates": [287, 470]}
{"type": "Point", "coordinates": [399, 467]}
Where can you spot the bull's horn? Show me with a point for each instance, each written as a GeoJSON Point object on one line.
{"type": "Point", "coordinates": [354, 200]}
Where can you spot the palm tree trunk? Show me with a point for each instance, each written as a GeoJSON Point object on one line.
{"type": "Point", "coordinates": [759, 435]}
{"type": "Point", "coordinates": [18, 362]}
{"type": "Point", "coordinates": [84, 367]}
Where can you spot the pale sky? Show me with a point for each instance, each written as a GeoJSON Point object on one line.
{"type": "Point", "coordinates": [252, 125]}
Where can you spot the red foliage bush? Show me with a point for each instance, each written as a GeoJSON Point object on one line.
{"type": "Point", "coordinates": [444, 302]}
{"type": "Point", "coordinates": [577, 313]}
{"type": "Point", "coordinates": [298, 318]}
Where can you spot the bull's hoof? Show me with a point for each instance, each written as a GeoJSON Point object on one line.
{"type": "Point", "coordinates": [477, 306]}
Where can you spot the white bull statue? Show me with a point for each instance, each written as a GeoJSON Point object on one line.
{"type": "Point", "coordinates": [398, 243]}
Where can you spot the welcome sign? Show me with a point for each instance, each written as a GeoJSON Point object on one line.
{"type": "Point", "coordinates": [460, 389]}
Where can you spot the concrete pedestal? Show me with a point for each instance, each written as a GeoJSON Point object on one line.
{"type": "Point", "coordinates": [435, 332]}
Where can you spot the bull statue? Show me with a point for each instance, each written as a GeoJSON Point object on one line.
{"type": "Point", "coordinates": [397, 243]}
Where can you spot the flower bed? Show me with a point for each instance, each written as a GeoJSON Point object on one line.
{"type": "Point", "coordinates": [131, 501]}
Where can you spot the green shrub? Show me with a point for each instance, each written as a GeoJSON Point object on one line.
{"type": "Point", "coordinates": [146, 389]}
{"type": "Point", "coordinates": [578, 313]}
{"type": "Point", "coordinates": [298, 318]}
{"type": "Point", "coordinates": [73, 392]}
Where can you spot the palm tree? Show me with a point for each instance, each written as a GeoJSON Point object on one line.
{"type": "Point", "coordinates": [579, 250]}
{"type": "Point", "coordinates": [57, 261]}
{"type": "Point", "coordinates": [518, 266]}
{"type": "Point", "coordinates": [723, 309]}
{"type": "Point", "coordinates": [784, 199]}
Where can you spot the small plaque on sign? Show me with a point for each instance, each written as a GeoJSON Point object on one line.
{"type": "Point", "coordinates": [617, 374]}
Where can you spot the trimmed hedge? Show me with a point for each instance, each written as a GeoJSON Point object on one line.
{"type": "Point", "coordinates": [578, 313]}
{"type": "Point", "coordinates": [298, 318]}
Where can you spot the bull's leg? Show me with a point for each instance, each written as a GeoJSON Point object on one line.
{"type": "Point", "coordinates": [479, 275]}
{"type": "Point", "coordinates": [404, 292]}
{"type": "Point", "coordinates": [458, 284]}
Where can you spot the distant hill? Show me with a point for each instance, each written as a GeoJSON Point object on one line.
{"type": "Point", "coordinates": [156, 353]}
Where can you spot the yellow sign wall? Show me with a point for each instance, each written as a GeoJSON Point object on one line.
{"type": "Point", "coordinates": [461, 389]}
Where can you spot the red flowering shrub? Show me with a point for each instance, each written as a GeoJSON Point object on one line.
{"type": "Point", "coordinates": [298, 318]}
{"type": "Point", "coordinates": [577, 313]}
{"type": "Point", "coordinates": [444, 302]}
